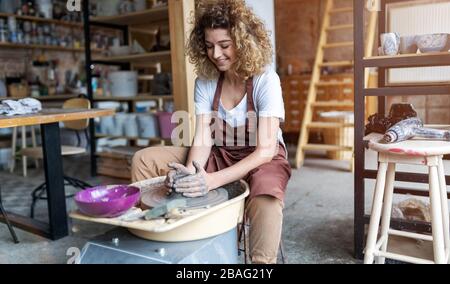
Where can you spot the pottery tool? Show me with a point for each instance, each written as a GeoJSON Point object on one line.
{"type": "Point", "coordinates": [163, 209]}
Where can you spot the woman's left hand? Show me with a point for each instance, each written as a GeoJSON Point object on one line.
{"type": "Point", "coordinates": [196, 185]}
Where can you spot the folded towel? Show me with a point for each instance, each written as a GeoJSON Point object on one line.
{"type": "Point", "coordinates": [23, 106]}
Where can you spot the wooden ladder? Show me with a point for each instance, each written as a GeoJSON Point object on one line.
{"type": "Point", "coordinates": [311, 103]}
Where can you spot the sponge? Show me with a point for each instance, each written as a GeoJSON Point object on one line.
{"type": "Point", "coordinates": [163, 209]}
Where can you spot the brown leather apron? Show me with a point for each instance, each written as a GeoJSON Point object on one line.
{"type": "Point", "coordinates": [268, 179]}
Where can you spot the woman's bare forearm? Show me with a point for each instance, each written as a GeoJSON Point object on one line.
{"type": "Point", "coordinates": [202, 144]}
{"type": "Point", "coordinates": [199, 154]}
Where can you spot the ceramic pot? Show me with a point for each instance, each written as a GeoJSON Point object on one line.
{"type": "Point", "coordinates": [390, 42]}
{"type": "Point", "coordinates": [408, 44]}
{"type": "Point", "coordinates": [147, 125]}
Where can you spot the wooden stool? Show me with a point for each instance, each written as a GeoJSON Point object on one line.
{"type": "Point", "coordinates": [415, 152]}
{"type": "Point", "coordinates": [24, 146]}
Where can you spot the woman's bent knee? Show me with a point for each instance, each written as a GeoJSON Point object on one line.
{"type": "Point", "coordinates": [143, 165]}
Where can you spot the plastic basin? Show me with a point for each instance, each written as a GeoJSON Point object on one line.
{"type": "Point", "coordinates": [107, 201]}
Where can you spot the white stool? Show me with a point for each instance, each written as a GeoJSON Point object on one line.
{"type": "Point", "coordinates": [416, 152]}
{"type": "Point", "coordinates": [24, 146]}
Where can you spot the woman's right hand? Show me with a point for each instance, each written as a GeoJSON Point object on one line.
{"type": "Point", "coordinates": [176, 171]}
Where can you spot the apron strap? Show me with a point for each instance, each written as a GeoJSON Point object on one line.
{"type": "Point", "coordinates": [249, 89]}
{"type": "Point", "coordinates": [218, 93]}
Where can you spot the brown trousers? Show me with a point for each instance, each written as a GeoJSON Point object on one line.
{"type": "Point", "coordinates": [264, 212]}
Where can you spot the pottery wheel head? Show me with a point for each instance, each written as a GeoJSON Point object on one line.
{"type": "Point", "coordinates": [158, 196]}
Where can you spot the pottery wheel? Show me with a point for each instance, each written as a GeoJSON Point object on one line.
{"type": "Point", "coordinates": [158, 197]}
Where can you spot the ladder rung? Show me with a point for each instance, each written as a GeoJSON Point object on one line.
{"type": "Point", "coordinates": [327, 147]}
{"type": "Point", "coordinates": [339, 27]}
{"type": "Point", "coordinates": [323, 125]}
{"type": "Point", "coordinates": [333, 83]}
{"type": "Point", "coordinates": [339, 44]}
{"type": "Point", "coordinates": [336, 63]}
{"type": "Point", "coordinates": [342, 10]}
{"type": "Point", "coordinates": [332, 104]}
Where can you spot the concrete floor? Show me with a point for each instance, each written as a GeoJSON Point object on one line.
{"type": "Point", "coordinates": [318, 222]}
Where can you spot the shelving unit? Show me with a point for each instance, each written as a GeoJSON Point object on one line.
{"type": "Point", "coordinates": [44, 47]}
{"type": "Point", "coordinates": [155, 14]}
{"type": "Point", "coordinates": [57, 97]}
{"type": "Point", "coordinates": [43, 20]}
{"type": "Point", "coordinates": [382, 91]}
{"type": "Point", "coordinates": [67, 24]}
{"type": "Point", "coordinates": [136, 58]}
{"type": "Point", "coordinates": [175, 14]}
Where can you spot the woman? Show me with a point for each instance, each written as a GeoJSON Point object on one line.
{"type": "Point", "coordinates": [239, 107]}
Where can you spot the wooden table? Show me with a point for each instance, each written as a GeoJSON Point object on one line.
{"type": "Point", "coordinates": [49, 119]}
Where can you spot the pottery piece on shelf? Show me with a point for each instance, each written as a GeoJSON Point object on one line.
{"type": "Point", "coordinates": [107, 125]}
{"type": "Point", "coordinates": [123, 83]}
{"type": "Point", "coordinates": [120, 120]}
{"type": "Point", "coordinates": [433, 42]}
{"type": "Point", "coordinates": [107, 8]}
{"type": "Point", "coordinates": [140, 5]}
{"type": "Point", "coordinates": [120, 50]}
{"type": "Point", "coordinates": [147, 125]}
{"type": "Point", "coordinates": [390, 43]}
{"type": "Point", "coordinates": [408, 44]}
{"type": "Point", "coordinates": [131, 128]}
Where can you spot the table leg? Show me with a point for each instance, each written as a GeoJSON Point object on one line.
{"type": "Point", "coordinates": [5, 216]}
{"type": "Point", "coordinates": [54, 178]}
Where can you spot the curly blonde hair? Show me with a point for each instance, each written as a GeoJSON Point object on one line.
{"type": "Point", "coordinates": [250, 38]}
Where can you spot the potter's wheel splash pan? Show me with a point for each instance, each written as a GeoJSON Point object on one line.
{"type": "Point", "coordinates": [205, 223]}
{"type": "Point", "coordinates": [209, 222]}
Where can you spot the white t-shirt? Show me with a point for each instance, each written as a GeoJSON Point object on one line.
{"type": "Point", "coordinates": [267, 99]}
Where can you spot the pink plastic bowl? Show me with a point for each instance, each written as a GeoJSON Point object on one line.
{"type": "Point", "coordinates": [107, 201]}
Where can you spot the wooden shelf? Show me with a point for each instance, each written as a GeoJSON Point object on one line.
{"type": "Point", "coordinates": [134, 99]}
{"type": "Point", "coordinates": [409, 60]}
{"type": "Point", "coordinates": [138, 58]}
{"type": "Point", "coordinates": [43, 20]}
{"type": "Point", "coordinates": [44, 47]}
{"type": "Point", "coordinates": [56, 97]}
{"type": "Point", "coordinates": [135, 18]}
{"type": "Point", "coordinates": [409, 90]}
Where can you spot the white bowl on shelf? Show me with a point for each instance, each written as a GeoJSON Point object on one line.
{"type": "Point", "coordinates": [120, 50]}
{"type": "Point", "coordinates": [433, 42]}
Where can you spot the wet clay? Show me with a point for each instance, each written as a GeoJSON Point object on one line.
{"type": "Point", "coordinates": [378, 123]}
